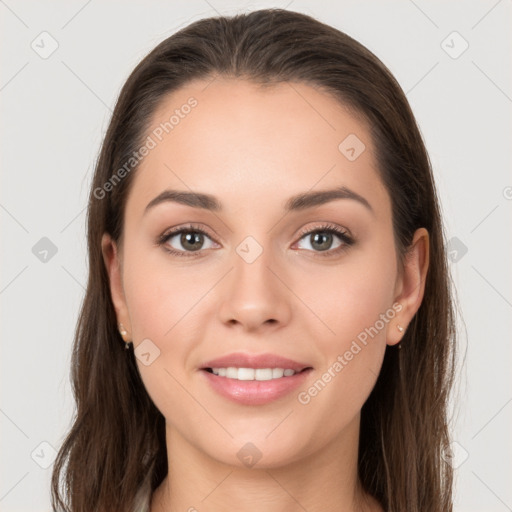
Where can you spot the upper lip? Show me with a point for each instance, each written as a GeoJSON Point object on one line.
{"type": "Point", "coordinates": [241, 360]}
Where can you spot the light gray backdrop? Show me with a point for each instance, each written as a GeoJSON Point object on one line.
{"type": "Point", "coordinates": [63, 64]}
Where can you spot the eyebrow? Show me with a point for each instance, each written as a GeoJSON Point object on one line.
{"type": "Point", "coordinates": [298, 202]}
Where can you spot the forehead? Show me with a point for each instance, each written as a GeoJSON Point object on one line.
{"type": "Point", "coordinates": [254, 146]}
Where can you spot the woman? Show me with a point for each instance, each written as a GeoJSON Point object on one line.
{"type": "Point", "coordinates": [265, 240]}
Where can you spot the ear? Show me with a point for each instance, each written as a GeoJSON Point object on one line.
{"type": "Point", "coordinates": [410, 286]}
{"type": "Point", "coordinates": [113, 264]}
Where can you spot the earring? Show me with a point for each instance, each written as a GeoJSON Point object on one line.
{"type": "Point", "coordinates": [401, 329]}
{"type": "Point", "coordinates": [122, 330]}
{"type": "Point", "coordinates": [123, 333]}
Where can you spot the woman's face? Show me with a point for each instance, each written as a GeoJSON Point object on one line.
{"type": "Point", "coordinates": [255, 283]}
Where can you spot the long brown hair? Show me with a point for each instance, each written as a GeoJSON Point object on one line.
{"type": "Point", "coordinates": [117, 441]}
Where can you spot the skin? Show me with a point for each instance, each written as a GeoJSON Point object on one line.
{"type": "Point", "coordinates": [253, 148]}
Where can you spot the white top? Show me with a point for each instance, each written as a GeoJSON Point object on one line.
{"type": "Point", "coordinates": [142, 499]}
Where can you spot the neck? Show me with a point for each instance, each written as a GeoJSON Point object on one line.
{"type": "Point", "coordinates": [323, 481]}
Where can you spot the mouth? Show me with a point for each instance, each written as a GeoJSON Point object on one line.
{"type": "Point", "coordinates": [254, 379]}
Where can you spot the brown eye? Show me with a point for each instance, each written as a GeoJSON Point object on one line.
{"type": "Point", "coordinates": [191, 240]}
{"type": "Point", "coordinates": [184, 241]}
{"type": "Point", "coordinates": [327, 239]}
{"type": "Point", "coordinates": [322, 241]}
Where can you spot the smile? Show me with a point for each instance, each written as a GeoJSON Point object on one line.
{"type": "Point", "coordinates": [259, 389]}
{"type": "Point", "coordinates": [253, 373]}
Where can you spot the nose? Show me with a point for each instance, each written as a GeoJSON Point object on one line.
{"type": "Point", "coordinates": [253, 295]}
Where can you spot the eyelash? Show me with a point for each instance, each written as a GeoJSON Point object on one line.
{"type": "Point", "coordinates": [326, 228]}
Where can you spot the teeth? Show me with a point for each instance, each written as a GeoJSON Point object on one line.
{"type": "Point", "coordinates": [253, 373]}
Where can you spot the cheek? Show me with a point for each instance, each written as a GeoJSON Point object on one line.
{"type": "Point", "coordinates": [357, 303]}
{"type": "Point", "coordinates": [351, 297]}
{"type": "Point", "coordinates": [161, 301]}
{"type": "Point", "coordinates": [354, 304]}
{"type": "Point", "coordinates": [165, 302]}
{"type": "Point", "coordinates": [160, 293]}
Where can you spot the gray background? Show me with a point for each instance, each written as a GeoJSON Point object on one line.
{"type": "Point", "coordinates": [55, 110]}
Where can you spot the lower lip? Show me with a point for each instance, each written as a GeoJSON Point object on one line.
{"type": "Point", "coordinates": [255, 392]}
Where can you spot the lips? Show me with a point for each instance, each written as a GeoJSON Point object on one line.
{"type": "Point", "coordinates": [254, 392]}
{"type": "Point", "coordinates": [241, 360]}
